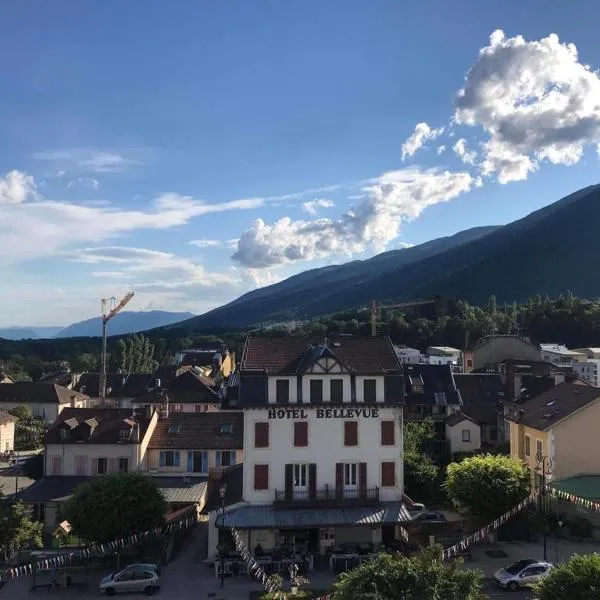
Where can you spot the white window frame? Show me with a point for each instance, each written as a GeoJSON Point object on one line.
{"type": "Point", "coordinates": [350, 476]}
{"type": "Point", "coordinates": [526, 446]}
{"type": "Point", "coordinates": [300, 478]}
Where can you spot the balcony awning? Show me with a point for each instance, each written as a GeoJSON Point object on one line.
{"type": "Point", "coordinates": [269, 517]}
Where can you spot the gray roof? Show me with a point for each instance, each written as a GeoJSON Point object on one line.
{"type": "Point", "coordinates": [187, 490]}
{"type": "Point", "coordinates": [268, 517]}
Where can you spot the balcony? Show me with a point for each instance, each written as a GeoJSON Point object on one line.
{"type": "Point", "coordinates": [326, 497]}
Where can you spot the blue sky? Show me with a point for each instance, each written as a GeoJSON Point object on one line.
{"type": "Point", "coordinates": [196, 149]}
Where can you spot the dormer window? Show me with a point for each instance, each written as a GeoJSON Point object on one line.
{"type": "Point", "coordinates": [124, 434]}
{"type": "Point", "coordinates": [173, 430]}
{"type": "Point", "coordinates": [63, 433]}
{"type": "Point", "coordinates": [226, 428]}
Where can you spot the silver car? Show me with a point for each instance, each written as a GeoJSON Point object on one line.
{"type": "Point", "coordinates": [130, 580]}
{"type": "Point", "coordinates": [523, 573]}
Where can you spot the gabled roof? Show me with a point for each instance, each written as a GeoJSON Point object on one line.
{"type": "Point", "coordinates": [553, 405]}
{"type": "Point", "coordinates": [220, 430]}
{"type": "Point", "coordinates": [458, 417]}
{"type": "Point", "coordinates": [490, 338]}
{"type": "Point", "coordinates": [6, 418]}
{"type": "Point", "coordinates": [188, 387]}
{"type": "Point", "coordinates": [436, 382]}
{"type": "Point", "coordinates": [36, 391]}
{"type": "Point", "coordinates": [97, 426]}
{"type": "Point", "coordinates": [287, 355]}
{"type": "Point", "coordinates": [481, 395]}
{"type": "Point", "coordinates": [118, 385]}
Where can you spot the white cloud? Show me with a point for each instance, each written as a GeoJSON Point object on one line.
{"type": "Point", "coordinates": [312, 206]}
{"type": "Point", "coordinates": [440, 149]}
{"type": "Point", "coordinates": [206, 243]}
{"type": "Point", "coordinates": [422, 134]}
{"type": "Point", "coordinates": [16, 187]}
{"type": "Point", "coordinates": [386, 202]}
{"type": "Point", "coordinates": [89, 182]}
{"type": "Point", "coordinates": [535, 100]}
{"type": "Point", "coordinates": [87, 159]}
{"type": "Point", "coordinates": [462, 151]}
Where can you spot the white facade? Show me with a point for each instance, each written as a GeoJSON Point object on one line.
{"type": "Point", "coordinates": [588, 370]}
{"type": "Point", "coordinates": [464, 436]}
{"type": "Point", "coordinates": [48, 411]}
{"type": "Point", "coordinates": [7, 436]}
{"type": "Point", "coordinates": [409, 355]}
{"type": "Point", "coordinates": [560, 355]}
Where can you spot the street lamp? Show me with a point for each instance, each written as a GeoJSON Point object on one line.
{"type": "Point", "coordinates": [222, 491]}
{"type": "Point", "coordinates": [543, 467]}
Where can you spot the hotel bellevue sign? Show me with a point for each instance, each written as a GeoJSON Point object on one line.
{"type": "Point", "coordinates": [324, 413]}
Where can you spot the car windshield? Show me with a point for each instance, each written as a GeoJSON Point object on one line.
{"type": "Point", "coordinates": [519, 566]}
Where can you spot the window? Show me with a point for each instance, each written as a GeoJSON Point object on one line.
{"type": "Point", "coordinates": [350, 476]}
{"type": "Point", "coordinates": [466, 435]}
{"type": "Point", "coordinates": [300, 477]}
{"type": "Point", "coordinates": [351, 433]}
{"type": "Point", "coordinates": [388, 433]}
{"type": "Point", "coordinates": [261, 477]}
{"type": "Point", "coordinates": [527, 446]}
{"type": "Point", "coordinates": [316, 390]}
{"type": "Point", "coordinates": [169, 458]}
{"type": "Point", "coordinates": [81, 465]}
{"type": "Point", "coordinates": [539, 450]}
{"type": "Point", "coordinates": [198, 408]}
{"type": "Point", "coordinates": [226, 428]}
{"type": "Point", "coordinates": [370, 390]}
{"type": "Point", "coordinates": [177, 407]}
{"type": "Point", "coordinates": [63, 433]}
{"type": "Point", "coordinates": [261, 435]}
{"type": "Point", "coordinates": [225, 458]}
{"type": "Point", "coordinates": [56, 465]}
{"type": "Point", "coordinates": [124, 435]}
{"type": "Point", "coordinates": [337, 391]}
{"type": "Point", "coordinates": [282, 391]}
{"type": "Point", "coordinates": [101, 466]}
{"type": "Point", "coordinates": [197, 461]}
{"type": "Point", "coordinates": [388, 474]}
{"type": "Point", "coordinates": [173, 430]}
{"type": "Point", "coordinates": [301, 434]}
{"type": "Point", "coordinates": [469, 363]}
{"type": "Point", "coordinates": [123, 465]}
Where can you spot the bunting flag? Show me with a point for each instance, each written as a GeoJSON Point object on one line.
{"type": "Point", "coordinates": [483, 533]}
{"type": "Point", "coordinates": [96, 551]}
{"type": "Point", "coordinates": [560, 495]}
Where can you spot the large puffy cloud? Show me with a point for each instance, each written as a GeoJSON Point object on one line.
{"type": "Point", "coordinates": [422, 134]}
{"type": "Point", "coordinates": [375, 220]}
{"type": "Point", "coordinates": [16, 187]}
{"type": "Point", "coordinates": [535, 100]}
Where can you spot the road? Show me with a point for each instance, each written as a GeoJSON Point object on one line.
{"type": "Point", "coordinates": [493, 591]}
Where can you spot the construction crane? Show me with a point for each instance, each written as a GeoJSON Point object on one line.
{"type": "Point", "coordinates": [110, 309]}
{"type": "Point", "coordinates": [376, 308]}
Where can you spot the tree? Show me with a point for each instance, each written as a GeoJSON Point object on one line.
{"type": "Point", "coordinates": [577, 579]}
{"type": "Point", "coordinates": [34, 467]}
{"type": "Point", "coordinates": [113, 506]}
{"type": "Point", "coordinates": [135, 354]}
{"type": "Point", "coordinates": [22, 412]}
{"type": "Point", "coordinates": [488, 485]}
{"type": "Point", "coordinates": [422, 577]}
{"type": "Point", "coordinates": [17, 530]}
{"type": "Point", "coordinates": [420, 472]}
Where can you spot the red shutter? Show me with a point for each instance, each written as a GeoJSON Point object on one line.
{"type": "Point", "coordinates": [339, 480]}
{"type": "Point", "coordinates": [350, 433]}
{"type": "Point", "coordinates": [261, 435]}
{"type": "Point", "coordinates": [301, 434]}
{"type": "Point", "coordinates": [261, 477]}
{"type": "Point", "coordinates": [388, 474]}
{"type": "Point", "coordinates": [289, 482]}
{"type": "Point", "coordinates": [388, 433]}
{"type": "Point", "coordinates": [312, 481]}
{"type": "Point", "coordinates": [362, 480]}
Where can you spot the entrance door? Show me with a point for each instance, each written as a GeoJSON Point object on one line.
{"type": "Point", "coordinates": [300, 481]}
{"type": "Point", "coordinates": [350, 479]}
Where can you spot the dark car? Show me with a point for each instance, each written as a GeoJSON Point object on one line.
{"type": "Point", "coordinates": [430, 517]}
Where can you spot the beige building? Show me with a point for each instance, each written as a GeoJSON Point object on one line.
{"type": "Point", "coordinates": [491, 350]}
{"type": "Point", "coordinates": [590, 353]}
{"type": "Point", "coordinates": [7, 431]}
{"type": "Point", "coordinates": [4, 378]}
{"type": "Point", "coordinates": [561, 424]}
{"type": "Point", "coordinates": [463, 433]}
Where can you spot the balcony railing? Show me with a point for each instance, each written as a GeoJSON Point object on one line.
{"type": "Point", "coordinates": [328, 496]}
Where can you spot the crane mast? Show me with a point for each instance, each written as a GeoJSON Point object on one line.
{"type": "Point", "coordinates": [109, 310]}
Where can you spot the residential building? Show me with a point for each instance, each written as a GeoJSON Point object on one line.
{"type": "Point", "coordinates": [588, 370]}
{"type": "Point", "coordinates": [463, 433]}
{"type": "Point", "coordinates": [4, 378]}
{"type": "Point", "coordinates": [7, 431]}
{"type": "Point", "coordinates": [561, 423]}
{"type": "Point", "coordinates": [322, 430]}
{"type": "Point", "coordinates": [121, 388]}
{"type": "Point", "coordinates": [491, 350]}
{"type": "Point", "coordinates": [45, 400]}
{"type": "Point", "coordinates": [560, 355]}
{"type": "Point", "coordinates": [443, 355]}
{"type": "Point", "coordinates": [409, 355]}
{"type": "Point", "coordinates": [591, 353]}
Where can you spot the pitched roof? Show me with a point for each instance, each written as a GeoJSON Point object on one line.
{"type": "Point", "coordinates": [553, 405]}
{"type": "Point", "coordinates": [490, 338]}
{"type": "Point", "coordinates": [118, 385]}
{"type": "Point", "coordinates": [181, 490]}
{"type": "Point", "coordinates": [458, 417]}
{"type": "Point", "coordinates": [201, 431]}
{"type": "Point", "coordinates": [6, 417]}
{"type": "Point", "coordinates": [187, 387]}
{"type": "Point", "coordinates": [436, 382]}
{"type": "Point", "coordinates": [97, 426]}
{"type": "Point", "coordinates": [481, 395]}
{"type": "Point", "coordinates": [36, 391]}
{"type": "Point", "coordinates": [287, 355]}
{"type": "Point", "coordinates": [233, 478]}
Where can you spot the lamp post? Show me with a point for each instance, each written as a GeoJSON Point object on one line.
{"type": "Point", "coordinates": [222, 491]}
{"type": "Point", "coordinates": [543, 468]}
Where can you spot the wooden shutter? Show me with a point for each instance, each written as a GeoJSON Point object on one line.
{"type": "Point", "coordinates": [337, 391]}
{"type": "Point", "coordinates": [370, 390]}
{"type": "Point", "coordinates": [261, 477]}
{"type": "Point", "coordinates": [350, 433]}
{"type": "Point", "coordinates": [339, 480]}
{"type": "Point", "coordinates": [312, 481]}
{"type": "Point", "coordinates": [316, 391]}
{"type": "Point", "coordinates": [301, 434]}
{"type": "Point", "coordinates": [282, 391]}
{"type": "Point", "coordinates": [362, 479]}
{"type": "Point", "coordinates": [289, 481]}
{"type": "Point", "coordinates": [113, 465]}
{"type": "Point", "coordinates": [388, 433]}
{"type": "Point", "coordinates": [261, 435]}
{"type": "Point", "coordinates": [388, 474]}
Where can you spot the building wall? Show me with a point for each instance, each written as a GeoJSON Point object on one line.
{"type": "Point", "coordinates": [43, 410]}
{"type": "Point", "coordinates": [185, 407]}
{"type": "Point", "coordinates": [7, 436]}
{"type": "Point", "coordinates": [518, 444]}
{"type": "Point", "coordinates": [498, 349]}
{"type": "Point", "coordinates": [153, 457]}
{"type": "Point", "coordinates": [588, 370]}
{"type": "Point", "coordinates": [68, 452]}
{"type": "Point", "coordinates": [325, 448]}
{"type": "Point", "coordinates": [455, 436]}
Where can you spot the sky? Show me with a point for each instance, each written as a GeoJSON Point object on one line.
{"type": "Point", "coordinates": [194, 150]}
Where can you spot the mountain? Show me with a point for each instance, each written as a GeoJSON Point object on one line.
{"type": "Point", "coordinates": [125, 322]}
{"type": "Point", "coordinates": [18, 333]}
{"type": "Point", "coordinates": [547, 252]}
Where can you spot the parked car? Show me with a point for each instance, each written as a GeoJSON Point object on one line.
{"type": "Point", "coordinates": [142, 567]}
{"type": "Point", "coordinates": [18, 462]}
{"type": "Point", "coordinates": [130, 580]}
{"type": "Point", "coordinates": [523, 573]}
{"type": "Point", "coordinates": [430, 517]}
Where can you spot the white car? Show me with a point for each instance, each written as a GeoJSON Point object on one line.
{"type": "Point", "coordinates": [131, 580]}
{"type": "Point", "coordinates": [523, 573]}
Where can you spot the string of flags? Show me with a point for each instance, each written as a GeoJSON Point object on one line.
{"type": "Point", "coordinates": [484, 532]}
{"type": "Point", "coordinates": [94, 551]}
{"type": "Point", "coordinates": [588, 504]}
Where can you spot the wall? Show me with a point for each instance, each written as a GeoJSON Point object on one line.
{"type": "Point", "coordinates": [7, 436]}
{"type": "Point", "coordinates": [153, 457]}
{"type": "Point", "coordinates": [518, 433]}
{"type": "Point", "coordinates": [325, 448]}
{"type": "Point", "coordinates": [454, 436]}
{"type": "Point", "coordinates": [46, 410]}
{"type": "Point", "coordinates": [68, 452]}
{"type": "Point", "coordinates": [498, 349]}
{"type": "Point", "coordinates": [187, 407]}
{"type": "Point", "coordinates": [142, 459]}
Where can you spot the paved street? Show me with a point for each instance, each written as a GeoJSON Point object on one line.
{"type": "Point", "coordinates": [493, 591]}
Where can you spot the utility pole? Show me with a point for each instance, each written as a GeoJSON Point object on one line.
{"type": "Point", "coordinates": [543, 468]}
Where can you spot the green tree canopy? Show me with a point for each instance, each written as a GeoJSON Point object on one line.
{"type": "Point", "coordinates": [577, 579]}
{"type": "Point", "coordinates": [135, 354]}
{"type": "Point", "coordinates": [488, 485]}
{"type": "Point", "coordinates": [22, 412]}
{"type": "Point", "coordinates": [422, 577]}
{"type": "Point", "coordinates": [420, 472]}
{"type": "Point", "coordinates": [17, 530]}
{"type": "Point", "coordinates": [113, 506]}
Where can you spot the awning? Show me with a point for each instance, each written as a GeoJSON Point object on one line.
{"type": "Point", "coordinates": [269, 517]}
{"type": "Point", "coordinates": [582, 486]}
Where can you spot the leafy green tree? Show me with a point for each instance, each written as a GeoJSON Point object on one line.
{"type": "Point", "coordinates": [488, 485]}
{"type": "Point", "coordinates": [17, 530]}
{"type": "Point", "coordinates": [577, 579]}
{"type": "Point", "coordinates": [135, 354]}
{"type": "Point", "coordinates": [422, 577]}
{"type": "Point", "coordinates": [22, 412]}
{"type": "Point", "coordinates": [420, 472]}
{"type": "Point", "coordinates": [113, 506]}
